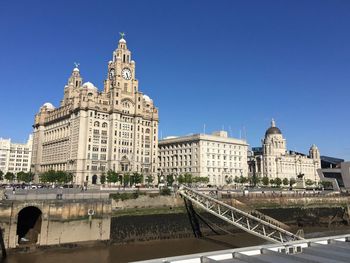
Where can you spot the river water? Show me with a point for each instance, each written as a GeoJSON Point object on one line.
{"type": "Point", "coordinates": [118, 253]}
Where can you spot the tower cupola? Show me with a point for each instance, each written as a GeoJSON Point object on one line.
{"type": "Point", "coordinates": [75, 79]}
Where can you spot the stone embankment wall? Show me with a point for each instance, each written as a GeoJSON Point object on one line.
{"type": "Point", "coordinates": [62, 221]}
{"type": "Point", "coordinates": [149, 218]}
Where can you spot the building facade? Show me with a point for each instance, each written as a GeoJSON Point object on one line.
{"type": "Point", "coordinates": [15, 157]}
{"type": "Point", "coordinates": [93, 131]}
{"type": "Point", "coordinates": [276, 161]}
{"type": "Point", "coordinates": [338, 176]}
{"type": "Point", "coordinates": [215, 156]}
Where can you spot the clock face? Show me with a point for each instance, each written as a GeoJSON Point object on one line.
{"type": "Point", "coordinates": [126, 73]}
{"type": "Point", "coordinates": [111, 74]}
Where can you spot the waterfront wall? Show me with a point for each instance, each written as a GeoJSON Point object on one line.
{"type": "Point", "coordinates": [150, 218]}
{"type": "Point", "coordinates": [60, 222]}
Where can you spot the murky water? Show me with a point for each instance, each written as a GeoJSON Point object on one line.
{"type": "Point", "coordinates": [151, 249]}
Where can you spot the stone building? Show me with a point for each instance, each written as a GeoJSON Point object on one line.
{"type": "Point", "coordinates": [93, 131]}
{"type": "Point", "coordinates": [215, 156]}
{"type": "Point", "coordinates": [15, 157]}
{"type": "Point", "coordinates": [276, 161]}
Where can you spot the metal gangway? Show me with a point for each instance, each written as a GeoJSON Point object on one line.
{"type": "Point", "coordinates": [254, 225]}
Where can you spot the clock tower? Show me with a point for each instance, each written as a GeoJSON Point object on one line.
{"type": "Point", "coordinates": [121, 71]}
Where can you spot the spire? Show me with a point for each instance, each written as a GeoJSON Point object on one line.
{"type": "Point", "coordinates": [273, 124]}
{"type": "Point", "coordinates": [122, 39]}
{"type": "Point", "coordinates": [76, 68]}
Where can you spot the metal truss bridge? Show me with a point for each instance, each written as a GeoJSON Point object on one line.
{"type": "Point", "coordinates": [252, 222]}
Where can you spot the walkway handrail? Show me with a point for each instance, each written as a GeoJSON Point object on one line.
{"type": "Point", "coordinates": [237, 217]}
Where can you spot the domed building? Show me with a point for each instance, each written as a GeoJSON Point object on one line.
{"type": "Point", "coordinates": [93, 131]}
{"type": "Point", "coordinates": [277, 161]}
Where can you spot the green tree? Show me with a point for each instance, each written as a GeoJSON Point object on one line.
{"type": "Point", "coordinates": [271, 181]}
{"type": "Point", "coordinates": [181, 179]}
{"type": "Point", "coordinates": [21, 176]}
{"type": "Point", "coordinates": [236, 180]}
{"type": "Point", "coordinates": [188, 178]}
{"type": "Point", "coordinates": [199, 179]}
{"type": "Point", "coordinates": [69, 177]}
{"type": "Point", "coordinates": [10, 176]}
{"type": "Point", "coordinates": [285, 181]}
{"type": "Point", "coordinates": [126, 179]}
{"type": "Point", "coordinates": [48, 177]}
{"type": "Point", "coordinates": [170, 179]}
{"type": "Point", "coordinates": [265, 180]}
{"type": "Point", "coordinates": [63, 177]}
{"type": "Point", "coordinates": [1, 175]}
{"type": "Point", "coordinates": [103, 178]}
{"type": "Point", "coordinates": [149, 179]}
{"type": "Point", "coordinates": [112, 176]}
{"type": "Point", "coordinates": [25, 177]}
{"type": "Point", "coordinates": [43, 178]}
{"type": "Point", "coordinates": [243, 180]}
{"type": "Point", "coordinates": [278, 181]}
{"type": "Point", "coordinates": [254, 180]}
{"type": "Point", "coordinates": [136, 178]}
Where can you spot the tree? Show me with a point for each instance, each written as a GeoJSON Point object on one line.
{"type": "Point", "coordinates": [243, 179]}
{"type": "Point", "coordinates": [271, 181]}
{"type": "Point", "coordinates": [1, 175]}
{"type": "Point", "coordinates": [126, 179]}
{"type": "Point", "coordinates": [199, 179]}
{"type": "Point", "coordinates": [185, 178]}
{"type": "Point", "coordinates": [25, 177]}
{"type": "Point", "coordinates": [136, 178]}
{"type": "Point", "coordinates": [170, 179]}
{"type": "Point", "coordinates": [285, 181]}
{"type": "Point", "coordinates": [236, 180]}
{"type": "Point", "coordinates": [55, 177]}
{"type": "Point", "coordinates": [188, 178]}
{"type": "Point", "coordinates": [181, 179]}
{"type": "Point", "coordinates": [265, 180]}
{"type": "Point", "coordinates": [149, 179]}
{"type": "Point", "coordinates": [48, 177]}
{"type": "Point", "coordinates": [10, 176]}
{"type": "Point", "coordinates": [254, 180]}
{"type": "Point", "coordinates": [63, 177]}
{"type": "Point", "coordinates": [278, 181]}
{"type": "Point", "coordinates": [103, 178]}
{"type": "Point", "coordinates": [112, 176]}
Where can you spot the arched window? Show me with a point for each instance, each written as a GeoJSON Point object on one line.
{"type": "Point", "coordinates": [104, 125]}
{"type": "Point", "coordinates": [96, 124]}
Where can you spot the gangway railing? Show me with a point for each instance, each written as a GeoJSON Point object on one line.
{"type": "Point", "coordinates": [245, 208]}
{"type": "Point", "coordinates": [245, 221]}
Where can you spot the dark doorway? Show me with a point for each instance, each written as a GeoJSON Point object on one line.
{"type": "Point", "coordinates": [29, 225]}
{"type": "Point", "coordinates": [94, 179]}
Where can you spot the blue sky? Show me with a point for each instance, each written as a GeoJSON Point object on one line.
{"type": "Point", "coordinates": [231, 64]}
